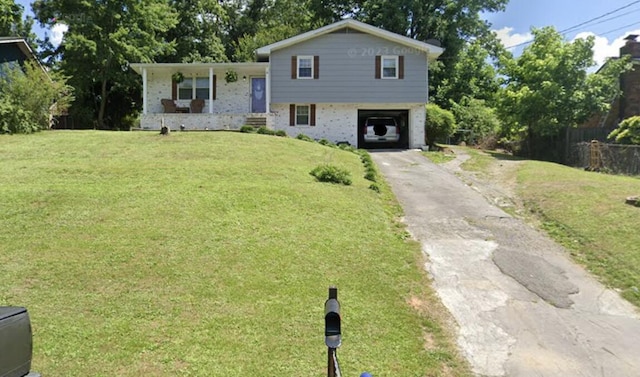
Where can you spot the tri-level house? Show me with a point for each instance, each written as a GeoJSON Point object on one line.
{"type": "Point", "coordinates": [325, 83]}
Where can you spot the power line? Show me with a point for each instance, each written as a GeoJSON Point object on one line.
{"type": "Point", "coordinates": [599, 17]}
{"type": "Point", "coordinates": [565, 31]}
{"type": "Point", "coordinates": [620, 28]}
{"type": "Point", "coordinates": [612, 18]}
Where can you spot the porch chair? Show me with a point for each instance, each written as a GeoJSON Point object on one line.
{"type": "Point", "coordinates": [197, 105]}
{"type": "Point", "coordinates": [169, 105]}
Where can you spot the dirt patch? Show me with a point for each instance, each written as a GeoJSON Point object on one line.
{"type": "Point", "coordinates": [498, 183]}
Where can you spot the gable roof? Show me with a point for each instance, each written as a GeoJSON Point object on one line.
{"type": "Point", "coordinates": [22, 45]}
{"type": "Point", "coordinates": [432, 51]}
{"type": "Point", "coordinates": [25, 48]}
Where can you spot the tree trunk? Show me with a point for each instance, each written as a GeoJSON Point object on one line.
{"type": "Point", "coordinates": [103, 104]}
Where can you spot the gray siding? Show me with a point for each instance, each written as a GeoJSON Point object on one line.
{"type": "Point", "coordinates": [347, 72]}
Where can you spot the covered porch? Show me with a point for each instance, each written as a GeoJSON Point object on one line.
{"type": "Point", "coordinates": [204, 96]}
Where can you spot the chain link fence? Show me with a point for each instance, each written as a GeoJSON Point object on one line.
{"type": "Point", "coordinates": [614, 158]}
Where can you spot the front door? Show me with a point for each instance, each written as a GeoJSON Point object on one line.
{"type": "Point", "coordinates": [258, 95]}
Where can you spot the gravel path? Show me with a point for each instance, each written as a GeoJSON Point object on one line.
{"type": "Point", "coordinates": [521, 306]}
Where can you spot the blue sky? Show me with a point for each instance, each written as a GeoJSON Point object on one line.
{"type": "Point", "coordinates": [513, 25]}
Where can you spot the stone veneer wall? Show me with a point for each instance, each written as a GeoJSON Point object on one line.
{"type": "Point", "coordinates": [199, 121]}
{"type": "Point", "coordinates": [339, 122]}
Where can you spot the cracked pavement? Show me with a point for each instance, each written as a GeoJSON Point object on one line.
{"type": "Point", "coordinates": [522, 307]}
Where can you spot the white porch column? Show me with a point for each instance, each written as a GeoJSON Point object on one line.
{"type": "Point", "coordinates": [210, 90]}
{"type": "Point", "coordinates": [268, 90]}
{"type": "Point", "coordinates": [144, 91]}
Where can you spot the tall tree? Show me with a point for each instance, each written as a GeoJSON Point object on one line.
{"type": "Point", "coordinates": [547, 88]}
{"type": "Point", "coordinates": [12, 22]}
{"type": "Point", "coordinates": [198, 32]}
{"type": "Point", "coordinates": [103, 37]}
{"type": "Point", "coordinates": [471, 76]}
{"type": "Point", "coordinates": [256, 23]}
{"type": "Point", "coordinates": [452, 22]}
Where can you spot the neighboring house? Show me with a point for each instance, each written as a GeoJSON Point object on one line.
{"type": "Point", "coordinates": [15, 50]}
{"type": "Point", "coordinates": [324, 83]}
{"type": "Point", "coordinates": [628, 104]}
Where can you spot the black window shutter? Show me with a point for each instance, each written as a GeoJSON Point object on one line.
{"type": "Point", "coordinates": [378, 63]}
{"type": "Point", "coordinates": [312, 115]}
{"type": "Point", "coordinates": [401, 67]}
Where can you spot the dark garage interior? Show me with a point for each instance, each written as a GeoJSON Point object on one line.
{"type": "Point", "coordinates": [402, 119]}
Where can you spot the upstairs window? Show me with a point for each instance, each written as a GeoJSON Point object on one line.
{"type": "Point", "coordinates": [305, 67]}
{"type": "Point", "coordinates": [389, 67]}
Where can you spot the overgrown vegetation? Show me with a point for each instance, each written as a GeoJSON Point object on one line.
{"type": "Point", "coordinates": [29, 98]}
{"type": "Point", "coordinates": [200, 259]}
{"type": "Point", "coordinates": [439, 124]}
{"type": "Point", "coordinates": [476, 122]}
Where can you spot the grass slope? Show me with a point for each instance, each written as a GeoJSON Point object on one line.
{"type": "Point", "coordinates": [586, 212]}
{"type": "Point", "coordinates": [207, 254]}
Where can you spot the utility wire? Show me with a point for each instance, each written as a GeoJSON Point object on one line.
{"type": "Point", "coordinates": [599, 17]}
{"type": "Point", "coordinates": [591, 20]}
{"type": "Point", "coordinates": [620, 28]}
{"type": "Point", "coordinates": [612, 18]}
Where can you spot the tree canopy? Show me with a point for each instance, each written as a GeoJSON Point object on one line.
{"type": "Point", "coordinates": [12, 23]}
{"type": "Point", "coordinates": [103, 37]}
{"type": "Point", "coordinates": [547, 88]}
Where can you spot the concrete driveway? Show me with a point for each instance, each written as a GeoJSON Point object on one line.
{"type": "Point", "coordinates": [522, 307]}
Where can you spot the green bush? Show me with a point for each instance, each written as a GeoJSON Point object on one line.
{"type": "Point", "coordinates": [478, 120]}
{"type": "Point", "coordinates": [27, 95]}
{"type": "Point", "coordinates": [327, 143]}
{"type": "Point", "coordinates": [265, 131]}
{"type": "Point", "coordinates": [375, 187]}
{"type": "Point", "coordinates": [332, 174]}
{"type": "Point", "coordinates": [14, 119]}
{"type": "Point", "coordinates": [304, 137]}
{"type": "Point", "coordinates": [371, 175]}
{"type": "Point", "coordinates": [248, 129]}
{"type": "Point", "coordinates": [346, 147]}
{"type": "Point", "coordinates": [439, 124]}
{"type": "Point", "coordinates": [628, 132]}
{"type": "Point", "coordinates": [281, 133]}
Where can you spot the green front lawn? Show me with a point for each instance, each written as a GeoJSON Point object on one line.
{"type": "Point", "coordinates": [208, 254]}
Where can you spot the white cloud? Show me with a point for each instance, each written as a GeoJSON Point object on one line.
{"type": "Point", "coordinates": [57, 32]}
{"type": "Point", "coordinates": [602, 48]}
{"type": "Point", "coordinates": [509, 40]}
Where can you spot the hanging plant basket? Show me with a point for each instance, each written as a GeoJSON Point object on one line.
{"type": "Point", "coordinates": [231, 76]}
{"type": "Point", "coordinates": [178, 77]}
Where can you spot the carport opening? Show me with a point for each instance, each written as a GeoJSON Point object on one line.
{"type": "Point", "coordinates": [380, 121]}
